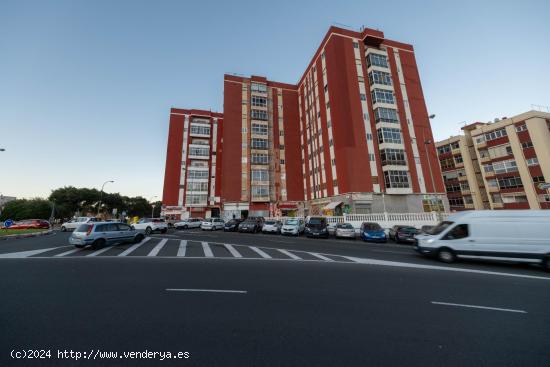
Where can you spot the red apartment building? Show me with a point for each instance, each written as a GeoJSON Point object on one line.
{"type": "Point", "coordinates": [353, 135]}
{"type": "Point", "coordinates": [193, 164]}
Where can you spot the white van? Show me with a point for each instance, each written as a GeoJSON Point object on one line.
{"type": "Point", "coordinates": [508, 235]}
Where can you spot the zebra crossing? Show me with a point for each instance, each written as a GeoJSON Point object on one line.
{"type": "Point", "coordinates": [175, 248]}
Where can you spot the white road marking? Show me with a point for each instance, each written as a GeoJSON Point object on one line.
{"type": "Point", "coordinates": [436, 267]}
{"type": "Point", "coordinates": [232, 250]}
{"type": "Point", "coordinates": [319, 256]}
{"type": "Point", "coordinates": [260, 252]}
{"type": "Point", "coordinates": [482, 307]}
{"type": "Point", "coordinates": [182, 248]}
{"type": "Point", "coordinates": [207, 249]}
{"type": "Point", "coordinates": [289, 254]}
{"type": "Point", "coordinates": [100, 251]}
{"type": "Point", "coordinates": [133, 247]}
{"type": "Point", "coordinates": [68, 252]}
{"type": "Point", "coordinates": [158, 247]}
{"type": "Point", "coordinates": [205, 290]}
{"type": "Point", "coordinates": [23, 254]}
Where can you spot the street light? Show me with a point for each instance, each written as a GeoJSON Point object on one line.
{"type": "Point", "coordinates": [426, 143]}
{"type": "Point", "coordinates": [101, 194]}
{"type": "Point", "coordinates": [152, 206]}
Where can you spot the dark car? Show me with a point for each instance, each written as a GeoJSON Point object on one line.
{"type": "Point", "coordinates": [372, 232]}
{"type": "Point", "coordinates": [232, 225]}
{"type": "Point", "coordinates": [406, 234]}
{"type": "Point", "coordinates": [252, 225]}
{"type": "Point", "coordinates": [31, 224]}
{"type": "Point", "coordinates": [393, 230]}
{"type": "Point", "coordinates": [317, 227]}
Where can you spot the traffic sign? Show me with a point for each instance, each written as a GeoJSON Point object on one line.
{"type": "Point", "coordinates": [544, 185]}
{"type": "Point", "coordinates": [8, 223]}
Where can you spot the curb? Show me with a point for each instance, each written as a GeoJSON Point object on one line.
{"type": "Point", "coordinates": [26, 235]}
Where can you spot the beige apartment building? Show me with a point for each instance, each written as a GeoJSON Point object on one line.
{"type": "Point", "coordinates": [498, 165]}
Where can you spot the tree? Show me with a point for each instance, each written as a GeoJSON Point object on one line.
{"type": "Point", "coordinates": [27, 209]}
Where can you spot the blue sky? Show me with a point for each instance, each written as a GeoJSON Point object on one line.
{"type": "Point", "coordinates": [86, 86]}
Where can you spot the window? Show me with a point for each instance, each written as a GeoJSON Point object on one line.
{"type": "Point", "coordinates": [256, 87]}
{"type": "Point", "coordinates": [480, 139]}
{"type": "Point", "coordinates": [196, 199]}
{"type": "Point", "coordinates": [393, 157]}
{"type": "Point", "coordinates": [505, 166]}
{"type": "Point", "coordinates": [532, 161]}
{"type": "Point", "coordinates": [259, 101]}
{"type": "Point", "coordinates": [199, 151]}
{"type": "Point", "coordinates": [355, 45]}
{"type": "Point", "coordinates": [259, 143]}
{"type": "Point", "coordinates": [496, 198]}
{"type": "Point", "coordinates": [259, 175]}
{"type": "Point", "coordinates": [258, 115]}
{"type": "Point", "coordinates": [458, 159]}
{"type": "Point", "coordinates": [464, 186]}
{"type": "Point", "coordinates": [371, 157]}
{"type": "Point", "coordinates": [456, 202]}
{"type": "Point", "coordinates": [500, 151]}
{"type": "Point", "coordinates": [526, 144]}
{"type": "Point", "coordinates": [259, 129]}
{"type": "Point", "coordinates": [328, 105]}
{"type": "Point", "coordinates": [377, 60]}
{"type": "Point", "coordinates": [444, 149]}
{"type": "Point", "coordinates": [492, 182]}
{"type": "Point", "coordinates": [509, 182]}
{"type": "Point", "coordinates": [363, 97]}
{"type": "Point", "coordinates": [260, 191]}
{"type": "Point", "coordinates": [396, 179]}
{"type": "Point", "coordinates": [192, 174]}
{"type": "Point", "coordinates": [326, 88]}
{"type": "Point", "coordinates": [369, 136]}
{"type": "Point", "coordinates": [495, 134]}
{"type": "Point", "coordinates": [452, 188]}
{"type": "Point", "coordinates": [379, 77]}
{"type": "Point", "coordinates": [382, 114]}
{"type": "Point", "coordinates": [259, 158]}
{"type": "Point", "coordinates": [488, 168]}
{"type": "Point", "coordinates": [507, 199]}
{"type": "Point", "coordinates": [458, 232]}
{"type": "Point", "coordinates": [200, 129]}
{"type": "Point", "coordinates": [197, 186]}
{"type": "Point", "coordinates": [389, 135]}
{"type": "Point", "coordinates": [330, 142]}
{"type": "Point", "coordinates": [521, 127]}
{"type": "Point", "coordinates": [538, 179]}
{"type": "Point", "coordinates": [449, 176]}
{"type": "Point", "coordinates": [282, 161]}
{"type": "Point", "coordinates": [382, 96]}
{"type": "Point", "coordinates": [455, 145]}
{"type": "Point", "coordinates": [329, 124]}
{"type": "Point", "coordinates": [447, 163]}
{"type": "Point", "coordinates": [281, 146]}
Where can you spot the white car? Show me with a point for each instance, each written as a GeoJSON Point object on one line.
{"type": "Point", "coordinates": [293, 226]}
{"type": "Point", "coordinates": [75, 222]}
{"type": "Point", "coordinates": [272, 226]}
{"type": "Point", "coordinates": [506, 235]}
{"type": "Point", "coordinates": [188, 223]}
{"type": "Point", "coordinates": [150, 225]}
{"type": "Point", "coordinates": [212, 224]}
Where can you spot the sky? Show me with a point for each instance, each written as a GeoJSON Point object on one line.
{"type": "Point", "coordinates": [86, 86]}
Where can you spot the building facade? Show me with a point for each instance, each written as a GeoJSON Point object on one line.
{"type": "Point", "coordinates": [353, 135]}
{"type": "Point", "coordinates": [193, 164]}
{"type": "Point", "coordinates": [504, 163]}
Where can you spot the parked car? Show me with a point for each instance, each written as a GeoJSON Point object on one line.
{"type": "Point", "coordinates": [345, 230]}
{"type": "Point", "coordinates": [393, 230]}
{"type": "Point", "coordinates": [372, 232]}
{"type": "Point", "coordinates": [150, 225]}
{"type": "Point", "coordinates": [272, 226]}
{"type": "Point", "coordinates": [99, 234]}
{"type": "Point", "coordinates": [212, 224]}
{"type": "Point", "coordinates": [31, 224]}
{"type": "Point", "coordinates": [426, 229]}
{"type": "Point", "coordinates": [252, 224]}
{"type": "Point", "coordinates": [504, 235]}
{"type": "Point", "coordinates": [293, 226]}
{"type": "Point", "coordinates": [317, 227]}
{"type": "Point", "coordinates": [406, 234]}
{"type": "Point", "coordinates": [75, 222]}
{"type": "Point", "coordinates": [188, 223]}
{"type": "Point", "coordinates": [232, 225]}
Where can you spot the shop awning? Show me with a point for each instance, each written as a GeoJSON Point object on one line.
{"type": "Point", "coordinates": [288, 206]}
{"type": "Point", "coordinates": [332, 206]}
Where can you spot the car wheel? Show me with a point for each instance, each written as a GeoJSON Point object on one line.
{"type": "Point", "coordinates": [164, 230]}
{"type": "Point", "coordinates": [185, 226]}
{"type": "Point", "coordinates": [97, 244]}
{"type": "Point", "coordinates": [546, 263]}
{"type": "Point", "coordinates": [138, 238]}
{"type": "Point", "coordinates": [446, 255]}
{"type": "Point", "coordinates": [63, 229]}
{"type": "Point", "coordinates": [148, 231]}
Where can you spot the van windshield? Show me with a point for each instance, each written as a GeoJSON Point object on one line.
{"type": "Point", "coordinates": [439, 228]}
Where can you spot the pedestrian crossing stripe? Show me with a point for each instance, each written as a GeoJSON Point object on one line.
{"type": "Point", "coordinates": [167, 248]}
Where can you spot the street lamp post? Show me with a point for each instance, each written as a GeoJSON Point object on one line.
{"type": "Point", "coordinates": [152, 206]}
{"type": "Point", "coordinates": [101, 194]}
{"type": "Point", "coordinates": [426, 143]}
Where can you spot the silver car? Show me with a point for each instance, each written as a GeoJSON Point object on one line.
{"type": "Point", "coordinates": [212, 224]}
{"type": "Point", "coordinates": [100, 234]}
{"type": "Point", "coordinates": [272, 226]}
{"type": "Point", "coordinates": [293, 226]}
{"type": "Point", "coordinates": [345, 230]}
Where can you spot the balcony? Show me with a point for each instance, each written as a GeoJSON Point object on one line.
{"type": "Point", "coordinates": [498, 205]}
{"type": "Point", "coordinates": [459, 165]}
{"type": "Point", "coordinates": [469, 206]}
{"type": "Point", "coordinates": [493, 189]}
{"type": "Point", "coordinates": [465, 192]}
{"type": "Point", "coordinates": [463, 178]}
{"type": "Point", "coordinates": [484, 159]}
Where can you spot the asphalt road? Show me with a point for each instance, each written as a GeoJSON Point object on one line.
{"type": "Point", "coordinates": [357, 307]}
